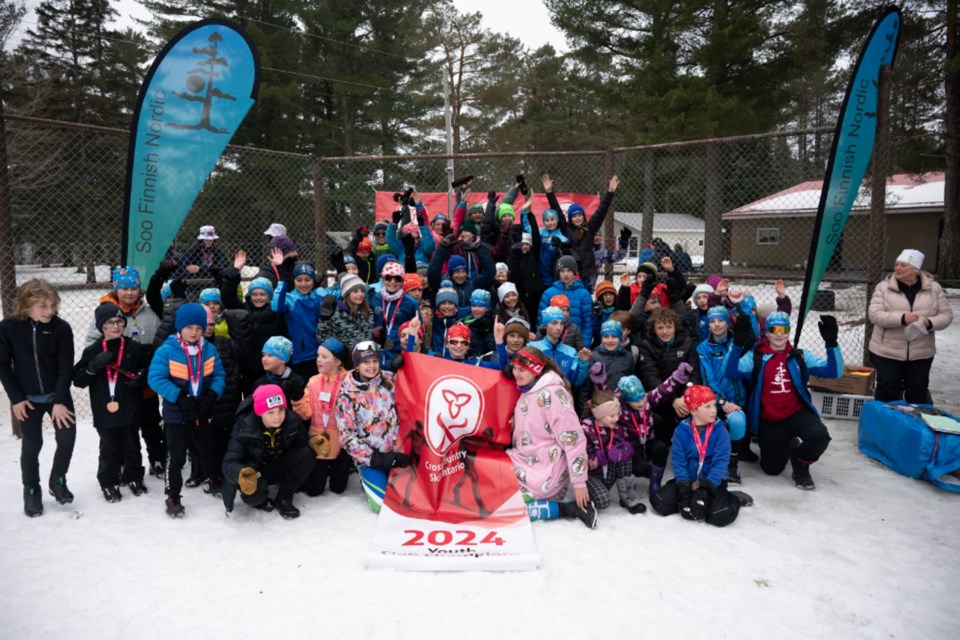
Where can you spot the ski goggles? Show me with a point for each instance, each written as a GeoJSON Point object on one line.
{"type": "Point", "coordinates": [779, 330]}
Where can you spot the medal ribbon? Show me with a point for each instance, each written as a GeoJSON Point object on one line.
{"type": "Point", "coordinates": [640, 432]}
{"type": "Point", "coordinates": [194, 379]}
{"type": "Point", "coordinates": [326, 406]}
{"type": "Point", "coordinates": [393, 318]}
{"type": "Point", "coordinates": [701, 446]}
{"type": "Point", "coordinates": [113, 371]}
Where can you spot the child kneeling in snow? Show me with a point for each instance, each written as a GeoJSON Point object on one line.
{"type": "Point", "coordinates": [610, 454]}
{"type": "Point", "coordinates": [267, 446]}
{"type": "Point", "coordinates": [701, 451]}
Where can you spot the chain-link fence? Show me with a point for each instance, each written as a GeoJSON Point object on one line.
{"type": "Point", "coordinates": [715, 200]}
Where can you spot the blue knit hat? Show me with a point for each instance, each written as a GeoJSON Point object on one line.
{"type": "Point", "coordinates": [278, 347]}
{"type": "Point", "coordinates": [550, 213]}
{"type": "Point", "coordinates": [337, 348]}
{"type": "Point", "coordinates": [210, 294]}
{"type": "Point", "coordinates": [191, 314]}
{"type": "Point", "coordinates": [384, 259]}
{"type": "Point", "coordinates": [575, 210]}
{"type": "Point", "coordinates": [611, 328]}
{"type": "Point", "coordinates": [552, 314]}
{"type": "Point", "coordinates": [447, 293]}
{"type": "Point", "coordinates": [380, 226]}
{"type": "Point", "coordinates": [480, 298]}
{"type": "Point", "coordinates": [455, 263]}
{"type": "Point", "coordinates": [631, 389]}
{"type": "Point", "coordinates": [304, 269]}
{"type": "Point", "coordinates": [778, 319]}
{"type": "Point", "coordinates": [125, 278]}
{"type": "Point", "coordinates": [718, 313]}
{"type": "Point", "coordinates": [348, 259]}
{"type": "Point", "coordinates": [263, 284]}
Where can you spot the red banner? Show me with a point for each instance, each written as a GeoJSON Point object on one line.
{"type": "Point", "coordinates": [436, 202]}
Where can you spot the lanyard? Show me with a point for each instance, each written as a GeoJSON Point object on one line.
{"type": "Point", "coordinates": [701, 446]}
{"type": "Point", "coordinates": [596, 426]}
{"type": "Point", "coordinates": [640, 432]}
{"type": "Point", "coordinates": [327, 404]}
{"type": "Point", "coordinates": [113, 370]}
{"type": "Point", "coordinates": [393, 318]}
{"type": "Point", "coordinates": [194, 378]}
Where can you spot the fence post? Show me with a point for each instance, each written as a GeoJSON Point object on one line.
{"type": "Point", "coordinates": [646, 230]}
{"type": "Point", "coordinates": [608, 171]}
{"type": "Point", "coordinates": [878, 195]}
{"type": "Point", "coordinates": [712, 235]}
{"type": "Point", "coordinates": [319, 219]}
{"type": "Point", "coordinates": [8, 263]}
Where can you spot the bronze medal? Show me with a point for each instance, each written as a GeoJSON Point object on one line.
{"type": "Point", "coordinates": [113, 406]}
{"type": "Point", "coordinates": [388, 344]}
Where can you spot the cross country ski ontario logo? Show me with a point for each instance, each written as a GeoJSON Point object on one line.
{"type": "Point", "coordinates": [453, 411]}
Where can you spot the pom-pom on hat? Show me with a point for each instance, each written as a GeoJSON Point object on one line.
{"type": "Point", "coordinates": [304, 269]}
{"type": "Point", "coordinates": [458, 330]}
{"type": "Point", "coordinates": [364, 351]}
{"type": "Point", "coordinates": [552, 314]}
{"type": "Point", "coordinates": [191, 314]}
{"type": "Point", "coordinates": [267, 397]}
{"type": "Point", "coordinates": [279, 347]}
{"type": "Point", "coordinates": [125, 278]}
{"type": "Point", "coordinates": [480, 298]}
{"type": "Point", "coordinates": [210, 294]}
{"type": "Point", "coordinates": [455, 263]}
{"type": "Point", "coordinates": [447, 293]}
{"type": "Point", "coordinates": [777, 319]}
{"type": "Point", "coordinates": [631, 389]}
{"type": "Point", "coordinates": [107, 311]}
{"type": "Point", "coordinates": [718, 312]}
{"type": "Point", "coordinates": [263, 284]}
{"type": "Point", "coordinates": [697, 395]}
{"type": "Point", "coordinates": [912, 257]}
{"type": "Point", "coordinates": [611, 328]}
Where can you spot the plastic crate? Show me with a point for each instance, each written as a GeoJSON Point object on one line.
{"type": "Point", "coordinates": [838, 405]}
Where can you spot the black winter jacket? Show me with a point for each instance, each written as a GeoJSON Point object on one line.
{"type": "Point", "coordinates": [658, 361]}
{"type": "Point", "coordinates": [581, 241]}
{"type": "Point", "coordinates": [128, 392]}
{"type": "Point", "coordinates": [36, 359]}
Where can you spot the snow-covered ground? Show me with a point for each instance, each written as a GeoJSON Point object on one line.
{"type": "Point", "coordinates": [869, 554]}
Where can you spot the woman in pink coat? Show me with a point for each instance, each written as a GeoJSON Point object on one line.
{"type": "Point", "coordinates": [549, 448]}
{"type": "Point", "coordinates": [907, 309]}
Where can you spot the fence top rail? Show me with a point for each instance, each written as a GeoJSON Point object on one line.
{"type": "Point", "coordinates": [726, 140]}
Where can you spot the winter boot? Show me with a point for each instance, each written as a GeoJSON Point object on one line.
{"type": "Point", "coordinates": [194, 480]}
{"type": "Point", "coordinates": [58, 489]}
{"type": "Point", "coordinates": [285, 507]}
{"type": "Point", "coordinates": [587, 516]}
{"type": "Point", "coordinates": [744, 499]}
{"type": "Point", "coordinates": [746, 455]}
{"type": "Point", "coordinates": [266, 505]}
{"type": "Point", "coordinates": [174, 508]}
{"type": "Point", "coordinates": [629, 500]}
{"type": "Point", "coordinates": [137, 487]}
{"type": "Point", "coordinates": [112, 493]}
{"type": "Point", "coordinates": [801, 474]}
{"type": "Point", "coordinates": [733, 471]}
{"type": "Point", "coordinates": [32, 501]}
{"type": "Point", "coordinates": [656, 476]}
{"type": "Point", "coordinates": [157, 469]}
{"type": "Point", "coordinates": [212, 486]}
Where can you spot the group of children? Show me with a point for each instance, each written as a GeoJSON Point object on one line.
{"type": "Point", "coordinates": [291, 383]}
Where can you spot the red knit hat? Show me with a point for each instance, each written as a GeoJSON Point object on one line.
{"type": "Point", "coordinates": [412, 281]}
{"type": "Point", "coordinates": [660, 291]}
{"type": "Point", "coordinates": [458, 331]}
{"type": "Point", "coordinates": [696, 396]}
{"type": "Point", "coordinates": [406, 325]}
{"type": "Point", "coordinates": [560, 301]}
{"type": "Point", "coordinates": [365, 246]}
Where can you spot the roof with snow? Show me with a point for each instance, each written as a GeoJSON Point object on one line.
{"type": "Point", "coordinates": [662, 222]}
{"type": "Point", "coordinates": [906, 193]}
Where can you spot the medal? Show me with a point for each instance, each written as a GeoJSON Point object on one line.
{"type": "Point", "coordinates": [113, 372]}
{"type": "Point", "coordinates": [113, 406]}
{"type": "Point", "coordinates": [388, 344]}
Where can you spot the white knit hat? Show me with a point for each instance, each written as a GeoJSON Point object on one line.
{"type": "Point", "coordinates": [526, 238]}
{"type": "Point", "coordinates": [502, 266]}
{"type": "Point", "coordinates": [504, 289]}
{"type": "Point", "coordinates": [912, 257]}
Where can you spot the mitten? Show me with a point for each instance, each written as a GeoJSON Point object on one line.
{"type": "Point", "coordinates": [389, 460]}
{"type": "Point", "coordinates": [328, 307]}
{"type": "Point", "coordinates": [598, 375]}
{"type": "Point", "coordinates": [684, 495]}
{"type": "Point", "coordinates": [294, 388]}
{"type": "Point", "coordinates": [397, 361]}
{"type": "Point", "coordinates": [247, 480]}
{"type": "Point", "coordinates": [205, 404]}
{"type": "Point", "coordinates": [396, 216]}
{"type": "Point", "coordinates": [187, 403]}
{"type": "Point", "coordinates": [625, 234]}
{"type": "Point", "coordinates": [491, 195]}
{"type": "Point", "coordinates": [829, 331]}
{"type": "Point", "coordinates": [557, 242]}
{"type": "Point", "coordinates": [321, 445]}
{"type": "Point", "coordinates": [699, 503]}
{"type": "Point", "coordinates": [682, 375]}
{"type": "Point", "coordinates": [420, 219]}
{"type": "Point", "coordinates": [646, 289]}
{"type": "Point", "coordinates": [743, 332]}
{"type": "Point", "coordinates": [100, 361]}
{"type": "Point", "coordinates": [448, 240]}
{"type": "Point", "coordinates": [409, 244]}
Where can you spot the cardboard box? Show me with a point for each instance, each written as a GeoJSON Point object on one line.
{"type": "Point", "coordinates": [857, 381]}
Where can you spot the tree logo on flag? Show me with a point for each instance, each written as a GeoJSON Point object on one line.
{"type": "Point", "coordinates": [452, 412]}
{"type": "Point", "coordinates": [197, 84]}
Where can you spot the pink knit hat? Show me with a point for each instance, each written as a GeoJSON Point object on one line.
{"type": "Point", "coordinates": [266, 397]}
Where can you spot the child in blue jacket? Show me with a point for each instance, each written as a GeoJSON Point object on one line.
{"type": "Point", "coordinates": [187, 374]}
{"type": "Point", "coordinates": [299, 303]}
{"type": "Point", "coordinates": [701, 449]}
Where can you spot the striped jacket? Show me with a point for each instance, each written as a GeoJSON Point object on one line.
{"type": "Point", "coordinates": [169, 375]}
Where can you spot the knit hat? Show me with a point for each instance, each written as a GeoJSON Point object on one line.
{"type": "Point", "coordinates": [718, 312]}
{"type": "Point", "coordinates": [439, 218]}
{"type": "Point", "coordinates": [207, 232]}
{"type": "Point", "coordinates": [611, 328]}
{"type": "Point", "coordinates": [631, 389]}
{"type": "Point", "coordinates": [283, 243]}
{"type": "Point", "coordinates": [713, 281]}
{"type": "Point", "coordinates": [700, 288]}
{"type": "Point", "coordinates": [380, 226]}
{"type": "Point", "coordinates": [337, 348]}
{"type": "Point", "coordinates": [502, 266]}
{"type": "Point", "coordinates": [505, 289]}
{"type": "Point", "coordinates": [267, 397]}
{"type": "Point", "coordinates": [604, 286]}
{"type": "Point", "coordinates": [649, 268]}
{"type": "Point", "coordinates": [392, 269]}
{"type": "Point", "coordinates": [278, 347]}
{"type": "Point", "coordinates": [458, 330]}
{"type": "Point", "coordinates": [575, 210]}
{"type": "Point", "coordinates": [412, 281]}
{"type": "Point", "coordinates": [304, 269]}
{"type": "Point", "coordinates": [383, 260]}
{"type": "Point", "coordinates": [189, 315]}
{"type": "Point", "coordinates": [276, 230]}
{"type": "Point", "coordinates": [411, 229]}
{"type": "Point", "coordinates": [552, 314]}
{"type": "Point", "coordinates": [505, 210]}
{"type": "Point", "coordinates": [660, 292]}
{"type": "Point", "coordinates": [129, 278]}
{"type": "Point", "coordinates": [106, 311]}
{"type": "Point", "coordinates": [517, 325]}
{"type": "Point", "coordinates": [263, 284]}
{"type": "Point", "coordinates": [366, 350]}
{"type": "Point", "coordinates": [912, 257]}
{"type": "Point", "coordinates": [364, 246]}
{"type": "Point", "coordinates": [480, 298]}
{"type": "Point", "coordinates": [455, 263]}
{"type": "Point", "coordinates": [349, 259]}
{"type": "Point", "coordinates": [447, 293]}
{"type": "Point", "coordinates": [609, 408]}
{"type": "Point", "coordinates": [349, 283]}
{"type": "Point", "coordinates": [210, 294]}
{"type": "Point", "coordinates": [567, 262]}
{"type": "Point", "coordinates": [560, 301]}
{"type": "Point", "coordinates": [697, 395]}
{"type": "Point", "coordinates": [777, 319]}
{"type": "Point", "coordinates": [550, 213]}
{"type": "Point", "coordinates": [468, 226]}
{"type": "Point", "coordinates": [526, 238]}
{"type": "Point", "coordinates": [474, 208]}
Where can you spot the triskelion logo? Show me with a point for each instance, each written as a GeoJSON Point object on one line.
{"type": "Point", "coordinates": [453, 411]}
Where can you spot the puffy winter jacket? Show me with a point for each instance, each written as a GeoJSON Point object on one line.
{"type": "Point", "coordinates": [367, 416]}
{"type": "Point", "coordinates": [135, 361]}
{"type": "Point", "coordinates": [302, 314]}
{"type": "Point", "coordinates": [713, 366]}
{"type": "Point", "coordinates": [658, 360]}
{"type": "Point", "coordinates": [886, 310]}
{"type": "Point", "coordinates": [168, 375]}
{"type": "Point", "coordinates": [573, 368]}
{"type": "Point", "coordinates": [686, 459]}
{"type": "Point", "coordinates": [581, 306]}
{"type": "Point", "coordinates": [391, 316]}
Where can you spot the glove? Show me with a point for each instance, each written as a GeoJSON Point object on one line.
{"type": "Point", "coordinates": [448, 241]}
{"type": "Point", "coordinates": [646, 290]}
{"type": "Point", "coordinates": [328, 307]}
{"type": "Point", "coordinates": [685, 494]}
{"type": "Point", "coordinates": [320, 445]}
{"type": "Point", "coordinates": [409, 244]}
{"type": "Point", "coordinates": [396, 215]}
{"type": "Point", "coordinates": [699, 502]}
{"type": "Point", "coordinates": [470, 246]}
{"type": "Point", "coordinates": [625, 234]}
{"type": "Point", "coordinates": [294, 388]}
{"type": "Point", "coordinates": [389, 460]}
{"type": "Point", "coordinates": [167, 266]}
{"type": "Point", "coordinates": [523, 184]}
{"type": "Point", "coordinates": [598, 375]}
{"type": "Point", "coordinates": [377, 335]}
{"type": "Point", "coordinates": [491, 195]}
{"type": "Point", "coordinates": [682, 375]}
{"type": "Point", "coordinates": [557, 242]}
{"type": "Point", "coordinates": [420, 219]}
{"type": "Point", "coordinates": [188, 404]}
{"type": "Point", "coordinates": [247, 479]}
{"type": "Point", "coordinates": [205, 404]}
{"type": "Point", "coordinates": [709, 486]}
{"type": "Point", "coordinates": [829, 331]}
{"type": "Point", "coordinates": [397, 361]}
{"type": "Point", "coordinates": [134, 382]}
{"type": "Point", "coordinates": [743, 332]}
{"type": "Point", "coordinates": [100, 361]}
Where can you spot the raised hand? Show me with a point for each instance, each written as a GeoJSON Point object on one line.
{"type": "Point", "coordinates": [781, 290]}
{"type": "Point", "coordinates": [547, 183]}
{"type": "Point", "coordinates": [614, 181]}
{"type": "Point", "coordinates": [276, 256]}
{"type": "Point", "coordinates": [497, 330]}
{"type": "Point", "coordinates": [240, 259]}
{"type": "Point", "coordinates": [667, 263]}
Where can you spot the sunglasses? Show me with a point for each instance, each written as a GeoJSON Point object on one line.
{"type": "Point", "coordinates": [458, 342]}
{"type": "Point", "coordinates": [393, 279]}
{"type": "Point", "coordinates": [779, 331]}
{"type": "Point", "coordinates": [379, 234]}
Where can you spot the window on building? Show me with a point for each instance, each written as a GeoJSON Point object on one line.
{"type": "Point", "coordinates": [768, 236]}
{"type": "Point", "coordinates": [633, 247]}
